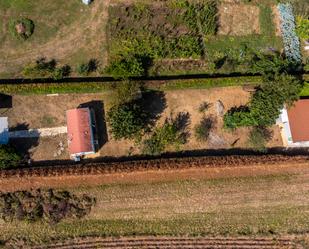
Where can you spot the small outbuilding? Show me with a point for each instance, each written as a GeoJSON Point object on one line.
{"type": "Point", "coordinates": [87, 2]}
{"type": "Point", "coordinates": [4, 130]}
{"type": "Point", "coordinates": [294, 123]}
{"type": "Point", "coordinates": [80, 127]}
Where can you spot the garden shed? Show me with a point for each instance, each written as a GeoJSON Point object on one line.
{"type": "Point", "coordinates": [4, 130]}
{"type": "Point", "coordinates": [80, 132]}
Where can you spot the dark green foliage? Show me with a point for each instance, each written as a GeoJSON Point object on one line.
{"type": "Point", "coordinates": [126, 67]}
{"type": "Point", "coordinates": [169, 134]}
{"type": "Point", "coordinates": [85, 69]}
{"type": "Point", "coordinates": [164, 32]}
{"type": "Point", "coordinates": [46, 69]}
{"type": "Point", "coordinates": [127, 120]}
{"type": "Point", "coordinates": [52, 206]}
{"type": "Point", "coordinates": [126, 92]}
{"type": "Point", "coordinates": [258, 137]}
{"type": "Point", "coordinates": [203, 129]}
{"type": "Point", "coordinates": [9, 158]}
{"type": "Point", "coordinates": [27, 26]}
{"type": "Point", "coordinates": [266, 103]}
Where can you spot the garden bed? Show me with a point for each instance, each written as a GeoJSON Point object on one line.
{"type": "Point", "coordinates": [192, 37]}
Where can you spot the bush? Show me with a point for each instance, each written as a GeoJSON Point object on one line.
{"type": "Point", "coordinates": [85, 69]}
{"type": "Point", "coordinates": [126, 92]}
{"type": "Point", "coordinates": [203, 129]}
{"type": "Point", "coordinates": [46, 69]}
{"type": "Point", "coordinates": [258, 137]}
{"type": "Point", "coordinates": [9, 158]}
{"type": "Point", "coordinates": [126, 67]}
{"type": "Point", "coordinates": [167, 135]}
{"type": "Point", "coordinates": [127, 120]}
{"type": "Point", "coordinates": [265, 104]}
{"type": "Point", "coordinates": [39, 205]}
{"type": "Point", "coordinates": [21, 28]}
{"type": "Point", "coordinates": [302, 27]}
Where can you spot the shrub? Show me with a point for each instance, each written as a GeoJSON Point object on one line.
{"type": "Point", "coordinates": [126, 67]}
{"type": "Point", "coordinates": [127, 120]}
{"type": "Point", "coordinates": [85, 69]}
{"type": "Point", "coordinates": [46, 69]}
{"type": "Point", "coordinates": [204, 107]}
{"type": "Point", "coordinates": [203, 129]}
{"type": "Point", "coordinates": [302, 27]}
{"type": "Point", "coordinates": [290, 39]}
{"type": "Point", "coordinates": [126, 92]}
{"type": "Point", "coordinates": [258, 137]}
{"type": "Point", "coordinates": [9, 158]}
{"type": "Point", "coordinates": [40, 205]}
{"type": "Point", "coordinates": [265, 104]}
{"type": "Point", "coordinates": [22, 28]}
{"type": "Point", "coordinates": [167, 135]}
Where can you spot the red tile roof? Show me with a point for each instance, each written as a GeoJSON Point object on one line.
{"type": "Point", "coordinates": [299, 120]}
{"type": "Point", "coordinates": [79, 131]}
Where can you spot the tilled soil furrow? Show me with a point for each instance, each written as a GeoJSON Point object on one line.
{"type": "Point", "coordinates": [173, 243]}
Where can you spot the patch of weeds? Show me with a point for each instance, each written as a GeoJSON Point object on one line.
{"type": "Point", "coordinates": [203, 129]}
{"type": "Point", "coordinates": [204, 107]}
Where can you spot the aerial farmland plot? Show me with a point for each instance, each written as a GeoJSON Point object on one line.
{"type": "Point", "coordinates": [154, 124]}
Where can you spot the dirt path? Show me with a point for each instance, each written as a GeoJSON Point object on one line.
{"type": "Point", "coordinates": [86, 35]}
{"type": "Point", "coordinates": [178, 242]}
{"type": "Point", "coordinates": [153, 176]}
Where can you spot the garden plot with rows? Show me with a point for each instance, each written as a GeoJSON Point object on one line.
{"type": "Point", "coordinates": [177, 37]}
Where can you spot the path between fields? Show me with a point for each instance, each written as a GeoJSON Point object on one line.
{"type": "Point", "coordinates": [42, 132]}
{"type": "Point", "coordinates": [24, 183]}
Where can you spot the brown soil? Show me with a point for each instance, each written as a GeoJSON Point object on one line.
{"type": "Point", "coordinates": [178, 242]}
{"type": "Point", "coordinates": [40, 111]}
{"type": "Point", "coordinates": [20, 28]}
{"type": "Point", "coordinates": [71, 181]}
{"type": "Point", "coordinates": [238, 19]}
{"type": "Point", "coordinates": [276, 20]}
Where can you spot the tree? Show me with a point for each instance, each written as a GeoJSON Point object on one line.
{"type": "Point", "coordinates": [126, 67]}
{"type": "Point", "coordinates": [9, 158]}
{"type": "Point", "coordinates": [265, 104]}
{"type": "Point", "coordinates": [127, 120]}
{"type": "Point", "coordinates": [126, 92]}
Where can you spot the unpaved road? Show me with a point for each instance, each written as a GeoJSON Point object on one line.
{"type": "Point", "coordinates": [290, 168]}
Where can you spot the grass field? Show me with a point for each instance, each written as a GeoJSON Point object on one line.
{"type": "Point", "coordinates": [265, 205]}
{"type": "Point", "coordinates": [63, 31]}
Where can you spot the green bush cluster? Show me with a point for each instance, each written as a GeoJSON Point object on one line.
{"type": "Point", "coordinates": [302, 27]}
{"type": "Point", "coordinates": [168, 134]}
{"type": "Point", "coordinates": [43, 205]}
{"type": "Point", "coordinates": [265, 104]}
{"type": "Point", "coordinates": [9, 157]}
{"type": "Point", "coordinates": [127, 120]}
{"type": "Point", "coordinates": [258, 137]}
{"type": "Point", "coordinates": [26, 24]}
{"type": "Point", "coordinates": [126, 67]}
{"type": "Point", "coordinates": [46, 69]}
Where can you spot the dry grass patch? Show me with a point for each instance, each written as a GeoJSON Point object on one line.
{"type": "Point", "coordinates": [238, 19]}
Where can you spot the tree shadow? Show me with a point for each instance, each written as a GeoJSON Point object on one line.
{"type": "Point", "coordinates": [24, 145]}
{"type": "Point", "coordinates": [93, 65]}
{"type": "Point", "coordinates": [182, 122]}
{"type": "Point", "coordinates": [100, 132]}
{"type": "Point", "coordinates": [154, 103]}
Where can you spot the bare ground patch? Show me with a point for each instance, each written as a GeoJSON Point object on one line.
{"type": "Point", "coordinates": [238, 19]}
